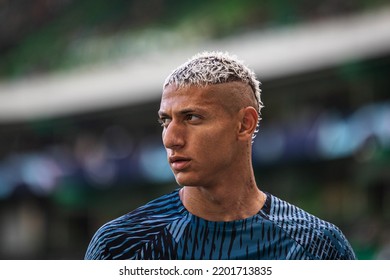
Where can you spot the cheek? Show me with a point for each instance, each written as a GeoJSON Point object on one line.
{"type": "Point", "coordinates": [215, 141]}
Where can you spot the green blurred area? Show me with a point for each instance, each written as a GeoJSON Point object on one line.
{"type": "Point", "coordinates": [44, 36]}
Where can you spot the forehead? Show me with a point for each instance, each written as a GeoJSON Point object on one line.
{"type": "Point", "coordinates": [191, 96]}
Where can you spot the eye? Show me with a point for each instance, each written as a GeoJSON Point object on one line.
{"type": "Point", "coordinates": [193, 118]}
{"type": "Point", "coordinates": [164, 121]}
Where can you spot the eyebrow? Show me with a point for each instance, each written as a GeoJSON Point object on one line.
{"type": "Point", "coordinates": [181, 112]}
{"type": "Point", "coordinates": [161, 113]}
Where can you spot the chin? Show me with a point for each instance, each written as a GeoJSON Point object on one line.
{"type": "Point", "coordinates": [187, 181]}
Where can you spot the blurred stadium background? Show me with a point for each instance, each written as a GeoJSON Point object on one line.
{"type": "Point", "coordinates": [80, 83]}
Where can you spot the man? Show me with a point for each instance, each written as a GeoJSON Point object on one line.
{"type": "Point", "coordinates": [209, 112]}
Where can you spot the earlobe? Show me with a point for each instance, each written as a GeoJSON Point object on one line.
{"type": "Point", "coordinates": [248, 123]}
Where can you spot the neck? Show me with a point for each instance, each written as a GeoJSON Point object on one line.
{"type": "Point", "coordinates": [223, 203]}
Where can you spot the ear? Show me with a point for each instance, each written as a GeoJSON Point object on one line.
{"type": "Point", "coordinates": [248, 123]}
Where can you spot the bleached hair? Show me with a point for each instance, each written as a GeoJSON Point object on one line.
{"type": "Point", "coordinates": [210, 68]}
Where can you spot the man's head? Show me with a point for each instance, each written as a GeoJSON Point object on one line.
{"type": "Point", "coordinates": [209, 112]}
{"type": "Point", "coordinates": [211, 68]}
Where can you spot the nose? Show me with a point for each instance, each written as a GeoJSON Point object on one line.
{"type": "Point", "coordinates": [173, 135]}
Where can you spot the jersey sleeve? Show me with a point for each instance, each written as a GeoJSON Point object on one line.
{"type": "Point", "coordinates": [97, 248]}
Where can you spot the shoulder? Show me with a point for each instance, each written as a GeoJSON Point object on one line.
{"type": "Point", "coordinates": [132, 229]}
{"type": "Point", "coordinates": [318, 238]}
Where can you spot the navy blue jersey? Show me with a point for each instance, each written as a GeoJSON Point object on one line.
{"type": "Point", "coordinates": [164, 229]}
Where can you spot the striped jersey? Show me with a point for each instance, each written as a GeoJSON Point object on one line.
{"type": "Point", "coordinates": [164, 229]}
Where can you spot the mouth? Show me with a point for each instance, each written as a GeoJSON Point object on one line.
{"type": "Point", "coordinates": [179, 163]}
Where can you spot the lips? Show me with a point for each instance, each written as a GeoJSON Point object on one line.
{"type": "Point", "coordinates": [179, 163]}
